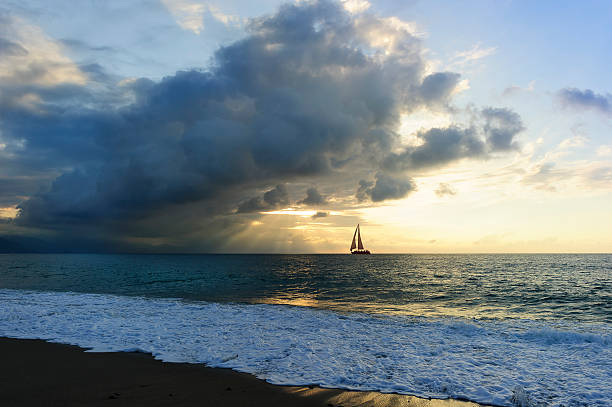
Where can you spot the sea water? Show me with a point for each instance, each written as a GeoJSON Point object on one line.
{"type": "Point", "coordinates": [507, 330]}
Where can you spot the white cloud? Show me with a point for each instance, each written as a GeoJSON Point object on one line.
{"type": "Point", "coordinates": [389, 37]}
{"type": "Point", "coordinates": [356, 6]}
{"type": "Point", "coordinates": [41, 60]}
{"type": "Point", "coordinates": [573, 142]}
{"type": "Point", "coordinates": [473, 54]}
{"type": "Point", "coordinates": [189, 15]}
{"type": "Point", "coordinates": [226, 19]}
{"type": "Point", "coordinates": [462, 86]}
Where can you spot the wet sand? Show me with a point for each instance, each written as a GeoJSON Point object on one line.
{"type": "Point", "coordinates": [37, 373]}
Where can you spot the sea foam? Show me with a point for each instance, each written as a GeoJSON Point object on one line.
{"type": "Point", "coordinates": [505, 363]}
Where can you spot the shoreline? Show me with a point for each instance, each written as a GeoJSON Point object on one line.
{"type": "Point", "coordinates": [36, 372]}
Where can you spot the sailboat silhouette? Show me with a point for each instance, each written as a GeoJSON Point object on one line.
{"type": "Point", "coordinates": [359, 244]}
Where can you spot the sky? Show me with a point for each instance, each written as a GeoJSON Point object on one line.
{"type": "Point", "coordinates": [188, 126]}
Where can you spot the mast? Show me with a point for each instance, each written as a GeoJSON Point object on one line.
{"type": "Point", "coordinates": [353, 245]}
{"type": "Point", "coordinates": [360, 245]}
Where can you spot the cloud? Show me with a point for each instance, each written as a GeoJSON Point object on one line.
{"type": "Point", "coordinates": [437, 87]}
{"type": "Point", "coordinates": [227, 19]}
{"type": "Point", "coordinates": [514, 89]}
{"type": "Point", "coordinates": [275, 198]}
{"type": "Point", "coordinates": [473, 54]}
{"type": "Point", "coordinates": [81, 46]}
{"type": "Point", "coordinates": [364, 190]}
{"type": "Point", "coordinates": [311, 91]}
{"type": "Point", "coordinates": [385, 187]}
{"type": "Point", "coordinates": [501, 126]}
{"type": "Point", "coordinates": [585, 99]}
{"type": "Point", "coordinates": [580, 176]}
{"type": "Point", "coordinates": [578, 140]}
{"type": "Point", "coordinates": [189, 14]}
{"type": "Point", "coordinates": [30, 57]}
{"type": "Point", "coordinates": [554, 172]}
{"type": "Point", "coordinates": [320, 215]}
{"type": "Point", "coordinates": [356, 6]}
{"type": "Point", "coordinates": [292, 99]}
{"type": "Point", "coordinates": [445, 189]}
{"type": "Point", "coordinates": [602, 174]}
{"type": "Point", "coordinates": [313, 197]}
{"type": "Point", "coordinates": [441, 146]}
{"type": "Point", "coordinates": [9, 48]}
{"type": "Point", "coordinates": [254, 204]}
{"type": "Point", "coordinates": [13, 189]}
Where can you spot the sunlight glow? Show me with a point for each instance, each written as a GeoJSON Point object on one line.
{"type": "Point", "coordinates": [9, 212]}
{"type": "Point", "coordinates": [295, 212]}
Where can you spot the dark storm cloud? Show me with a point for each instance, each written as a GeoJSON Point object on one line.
{"type": "Point", "coordinates": [586, 99]}
{"type": "Point", "coordinates": [255, 204]}
{"type": "Point", "coordinates": [13, 189]}
{"type": "Point", "coordinates": [501, 126]}
{"type": "Point", "coordinates": [305, 93]}
{"type": "Point", "coordinates": [288, 100]}
{"type": "Point", "coordinates": [438, 86]}
{"type": "Point", "coordinates": [313, 198]}
{"type": "Point", "coordinates": [442, 146]}
{"type": "Point", "coordinates": [363, 190]}
{"type": "Point", "coordinates": [385, 187]}
{"type": "Point", "coordinates": [275, 198]}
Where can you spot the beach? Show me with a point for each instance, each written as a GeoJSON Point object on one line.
{"type": "Point", "coordinates": [38, 373]}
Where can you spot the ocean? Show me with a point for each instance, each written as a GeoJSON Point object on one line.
{"type": "Point", "coordinates": [516, 329]}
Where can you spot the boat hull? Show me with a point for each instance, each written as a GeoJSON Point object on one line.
{"type": "Point", "coordinates": [361, 252]}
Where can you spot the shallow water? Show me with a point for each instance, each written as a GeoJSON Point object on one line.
{"type": "Point", "coordinates": [499, 329]}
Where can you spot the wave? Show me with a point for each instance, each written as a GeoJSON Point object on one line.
{"type": "Point", "coordinates": [491, 362]}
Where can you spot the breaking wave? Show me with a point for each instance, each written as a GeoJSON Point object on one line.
{"type": "Point", "coordinates": [508, 362]}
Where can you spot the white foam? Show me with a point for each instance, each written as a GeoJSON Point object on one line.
{"type": "Point", "coordinates": [497, 362]}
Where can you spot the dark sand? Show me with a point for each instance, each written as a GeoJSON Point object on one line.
{"type": "Point", "coordinates": [37, 373]}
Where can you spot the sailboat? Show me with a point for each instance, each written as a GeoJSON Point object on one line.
{"type": "Point", "coordinates": [359, 244]}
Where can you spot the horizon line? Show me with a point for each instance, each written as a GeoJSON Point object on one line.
{"type": "Point", "coordinates": [294, 253]}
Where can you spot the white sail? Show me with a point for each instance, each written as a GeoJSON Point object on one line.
{"type": "Point", "coordinates": [360, 244]}
{"type": "Point", "coordinates": [353, 245]}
